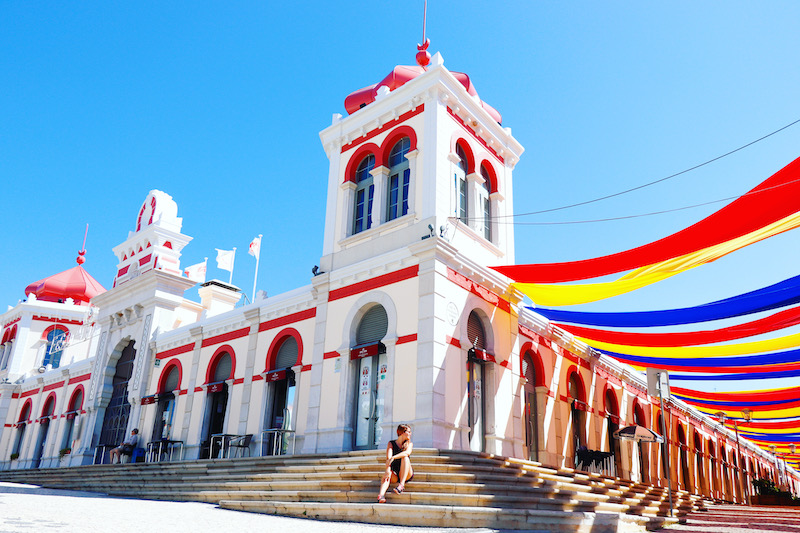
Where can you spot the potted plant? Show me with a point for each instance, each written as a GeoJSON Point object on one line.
{"type": "Point", "coordinates": [14, 456]}
{"type": "Point", "coordinates": [63, 452]}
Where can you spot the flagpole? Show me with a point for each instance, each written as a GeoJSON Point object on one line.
{"type": "Point", "coordinates": [233, 258]}
{"type": "Point", "coordinates": [255, 276]}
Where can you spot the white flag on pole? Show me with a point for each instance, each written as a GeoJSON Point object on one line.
{"type": "Point", "coordinates": [196, 272]}
{"type": "Point", "coordinates": [225, 259]}
{"type": "Point", "coordinates": [255, 247]}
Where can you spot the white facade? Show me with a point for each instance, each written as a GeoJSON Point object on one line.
{"type": "Point", "coordinates": [404, 322]}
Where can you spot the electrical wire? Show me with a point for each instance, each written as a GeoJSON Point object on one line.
{"type": "Point", "coordinates": [652, 213]}
{"type": "Point", "coordinates": [626, 191]}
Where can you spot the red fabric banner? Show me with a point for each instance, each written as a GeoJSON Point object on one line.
{"type": "Point", "coordinates": [775, 198]}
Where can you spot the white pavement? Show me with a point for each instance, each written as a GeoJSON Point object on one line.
{"type": "Point", "coordinates": [29, 509]}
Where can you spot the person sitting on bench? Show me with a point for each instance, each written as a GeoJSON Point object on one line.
{"type": "Point", "coordinates": [126, 448]}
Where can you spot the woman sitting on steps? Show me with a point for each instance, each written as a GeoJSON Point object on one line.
{"type": "Point", "coordinates": [398, 462]}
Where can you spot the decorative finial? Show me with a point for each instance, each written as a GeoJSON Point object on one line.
{"type": "Point", "coordinates": [81, 259]}
{"type": "Point", "coordinates": [423, 56]}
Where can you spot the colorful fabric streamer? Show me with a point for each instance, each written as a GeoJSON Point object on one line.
{"type": "Point", "coordinates": [691, 352]}
{"type": "Point", "coordinates": [775, 374]}
{"type": "Point", "coordinates": [559, 295]}
{"type": "Point", "coordinates": [781, 361]}
{"type": "Point", "coordinates": [781, 294]}
{"type": "Point", "coordinates": [780, 320]}
{"type": "Point", "coordinates": [770, 201]}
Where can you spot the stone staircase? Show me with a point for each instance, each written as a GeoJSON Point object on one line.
{"type": "Point", "coordinates": [450, 488]}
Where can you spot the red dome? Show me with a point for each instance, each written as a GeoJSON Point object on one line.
{"type": "Point", "coordinates": [74, 283]}
{"type": "Point", "coordinates": [399, 76]}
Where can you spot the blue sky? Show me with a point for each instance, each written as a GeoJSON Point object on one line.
{"type": "Point", "coordinates": [220, 105]}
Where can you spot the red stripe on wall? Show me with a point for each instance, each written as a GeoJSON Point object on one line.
{"type": "Point", "coordinates": [175, 351]}
{"type": "Point", "coordinates": [452, 342]}
{"type": "Point", "coordinates": [478, 290]}
{"type": "Point", "coordinates": [258, 377]}
{"type": "Point", "coordinates": [407, 338]}
{"type": "Point", "coordinates": [144, 260]}
{"type": "Point", "coordinates": [238, 381]}
{"type": "Point", "coordinates": [29, 393]}
{"type": "Point", "coordinates": [56, 320]}
{"type": "Point", "coordinates": [14, 395]}
{"type": "Point", "coordinates": [288, 319]}
{"type": "Point", "coordinates": [78, 379]}
{"type": "Point", "coordinates": [305, 368]}
{"type": "Point", "coordinates": [391, 124]}
{"type": "Point", "coordinates": [183, 391]}
{"type": "Point", "coordinates": [239, 333]}
{"type": "Point", "coordinates": [505, 364]}
{"type": "Point", "coordinates": [374, 283]}
{"type": "Point", "coordinates": [330, 355]}
{"type": "Point", "coordinates": [53, 386]}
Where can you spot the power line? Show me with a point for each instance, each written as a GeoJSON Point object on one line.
{"type": "Point", "coordinates": [517, 223]}
{"type": "Point", "coordinates": [658, 180]}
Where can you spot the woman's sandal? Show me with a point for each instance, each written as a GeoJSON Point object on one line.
{"type": "Point", "coordinates": [399, 489]}
{"type": "Point", "coordinates": [381, 500]}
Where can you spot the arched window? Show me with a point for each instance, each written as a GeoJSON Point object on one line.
{"type": "Point", "coordinates": [74, 408]}
{"type": "Point", "coordinates": [486, 205]}
{"type": "Point", "coordinates": [22, 423]}
{"type": "Point", "coordinates": [399, 179]}
{"type": "Point", "coordinates": [373, 326]}
{"type": "Point", "coordinates": [55, 347]}
{"type": "Point", "coordinates": [531, 414]}
{"type": "Point", "coordinates": [460, 184]}
{"type": "Point", "coordinates": [365, 190]}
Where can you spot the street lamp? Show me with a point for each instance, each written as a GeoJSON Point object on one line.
{"type": "Point", "coordinates": [773, 449]}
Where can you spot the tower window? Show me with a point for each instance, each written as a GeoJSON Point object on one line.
{"type": "Point", "coordinates": [365, 190]}
{"type": "Point", "coordinates": [486, 203]}
{"type": "Point", "coordinates": [55, 347]}
{"type": "Point", "coordinates": [399, 177]}
{"type": "Point", "coordinates": [461, 185]}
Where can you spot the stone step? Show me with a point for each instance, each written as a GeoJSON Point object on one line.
{"type": "Point", "coordinates": [447, 516]}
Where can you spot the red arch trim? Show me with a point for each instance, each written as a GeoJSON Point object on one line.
{"type": "Point", "coordinates": [276, 343]}
{"type": "Point", "coordinates": [25, 412]}
{"type": "Point", "coordinates": [538, 365]}
{"type": "Point", "coordinates": [162, 379]}
{"type": "Point", "coordinates": [358, 156]}
{"type": "Point", "coordinates": [395, 135]}
{"type": "Point", "coordinates": [581, 386]}
{"type": "Point", "coordinates": [606, 407]}
{"type": "Point", "coordinates": [212, 365]}
{"type": "Point", "coordinates": [637, 405]}
{"type": "Point", "coordinates": [467, 151]}
{"type": "Point", "coordinates": [50, 398]}
{"type": "Point", "coordinates": [492, 175]}
{"type": "Point", "coordinates": [71, 405]}
{"type": "Point", "coordinates": [54, 327]}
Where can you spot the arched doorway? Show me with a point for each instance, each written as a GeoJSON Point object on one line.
{"type": "Point", "coordinates": [219, 370]}
{"type": "Point", "coordinates": [531, 412]}
{"type": "Point", "coordinates": [612, 423]}
{"type": "Point", "coordinates": [73, 410]}
{"type": "Point", "coordinates": [280, 381]}
{"type": "Point", "coordinates": [44, 429]}
{"type": "Point", "coordinates": [713, 478]}
{"type": "Point", "coordinates": [372, 369]}
{"type": "Point", "coordinates": [644, 462]}
{"type": "Point", "coordinates": [577, 405]}
{"type": "Point", "coordinates": [683, 459]}
{"type": "Point", "coordinates": [476, 382]}
{"type": "Point", "coordinates": [22, 423]}
{"type": "Point", "coordinates": [115, 420]}
{"type": "Point", "coordinates": [168, 383]}
{"type": "Point", "coordinates": [700, 479]}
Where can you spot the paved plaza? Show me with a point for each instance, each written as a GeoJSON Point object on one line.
{"type": "Point", "coordinates": [29, 509]}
